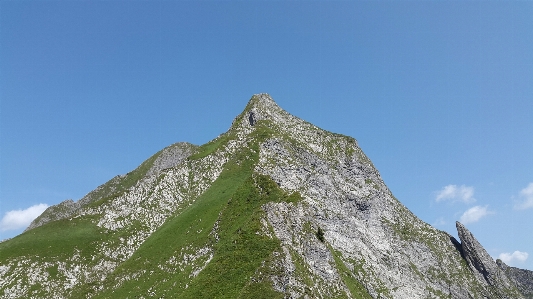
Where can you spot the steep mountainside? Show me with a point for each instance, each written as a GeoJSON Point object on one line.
{"type": "Point", "coordinates": [523, 279]}
{"type": "Point", "coordinates": [273, 208]}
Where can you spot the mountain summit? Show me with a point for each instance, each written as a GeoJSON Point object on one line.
{"type": "Point", "coordinates": [273, 208]}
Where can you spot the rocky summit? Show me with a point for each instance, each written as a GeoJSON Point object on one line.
{"type": "Point", "coordinates": [273, 208]}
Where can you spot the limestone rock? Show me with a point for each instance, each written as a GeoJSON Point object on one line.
{"type": "Point", "coordinates": [522, 278]}
{"type": "Point", "coordinates": [166, 158]}
{"type": "Point", "coordinates": [62, 210]}
{"type": "Point", "coordinates": [483, 265]}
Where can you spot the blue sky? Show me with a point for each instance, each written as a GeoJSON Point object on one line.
{"type": "Point", "coordinates": [438, 94]}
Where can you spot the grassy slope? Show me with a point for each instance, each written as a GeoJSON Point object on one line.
{"type": "Point", "coordinates": [48, 244]}
{"type": "Point", "coordinates": [61, 235]}
{"type": "Point", "coordinates": [234, 200]}
{"type": "Point", "coordinates": [59, 240]}
{"type": "Point", "coordinates": [240, 252]}
{"type": "Point", "coordinates": [55, 239]}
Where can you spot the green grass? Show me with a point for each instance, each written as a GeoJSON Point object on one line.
{"type": "Point", "coordinates": [177, 233]}
{"type": "Point", "coordinates": [50, 243]}
{"type": "Point", "coordinates": [210, 147]}
{"type": "Point", "coordinates": [301, 271]}
{"type": "Point", "coordinates": [55, 239]}
{"type": "Point", "coordinates": [357, 290]}
{"type": "Point", "coordinates": [234, 203]}
{"type": "Point", "coordinates": [241, 248]}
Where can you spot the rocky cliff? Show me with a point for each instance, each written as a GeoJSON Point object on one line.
{"type": "Point", "coordinates": [273, 208]}
{"type": "Point", "coordinates": [523, 279]}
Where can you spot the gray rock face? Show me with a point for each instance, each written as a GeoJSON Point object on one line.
{"type": "Point", "coordinates": [482, 264]}
{"type": "Point", "coordinates": [522, 278]}
{"type": "Point", "coordinates": [170, 157]}
{"type": "Point", "coordinates": [166, 158]}
{"type": "Point", "coordinates": [62, 210]}
{"type": "Point", "coordinates": [391, 252]}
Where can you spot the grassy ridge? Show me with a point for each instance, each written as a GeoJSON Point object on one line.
{"type": "Point", "coordinates": [48, 244]}
{"type": "Point", "coordinates": [55, 239]}
{"type": "Point", "coordinates": [241, 248]}
{"type": "Point", "coordinates": [233, 203]}
{"type": "Point", "coordinates": [190, 228]}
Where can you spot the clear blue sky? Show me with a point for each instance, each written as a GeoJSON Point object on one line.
{"type": "Point", "coordinates": [438, 94]}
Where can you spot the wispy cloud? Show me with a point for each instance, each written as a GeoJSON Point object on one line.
{"type": "Point", "coordinates": [18, 219]}
{"type": "Point", "coordinates": [439, 222]}
{"type": "Point", "coordinates": [527, 194]}
{"type": "Point", "coordinates": [474, 214]}
{"type": "Point", "coordinates": [456, 193]}
{"type": "Point", "coordinates": [512, 258]}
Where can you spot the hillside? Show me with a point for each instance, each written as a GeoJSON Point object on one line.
{"type": "Point", "coordinates": [273, 208]}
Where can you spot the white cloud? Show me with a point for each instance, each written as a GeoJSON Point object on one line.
{"type": "Point", "coordinates": [474, 214]}
{"type": "Point", "coordinates": [512, 258]}
{"type": "Point", "coordinates": [18, 219]}
{"type": "Point", "coordinates": [526, 193]}
{"type": "Point", "coordinates": [456, 193]}
{"type": "Point", "coordinates": [439, 222]}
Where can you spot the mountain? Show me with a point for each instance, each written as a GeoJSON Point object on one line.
{"type": "Point", "coordinates": [273, 208]}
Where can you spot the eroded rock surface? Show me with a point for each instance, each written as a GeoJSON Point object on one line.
{"type": "Point", "coordinates": [521, 277]}
{"type": "Point", "coordinates": [166, 158]}
{"type": "Point", "coordinates": [483, 265]}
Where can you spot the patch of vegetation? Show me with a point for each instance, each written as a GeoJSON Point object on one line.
{"type": "Point", "coordinates": [55, 239]}
{"type": "Point", "coordinates": [357, 290]}
{"type": "Point", "coordinates": [371, 182]}
{"type": "Point", "coordinates": [242, 248]}
{"type": "Point", "coordinates": [294, 198]}
{"type": "Point", "coordinates": [414, 268]}
{"type": "Point", "coordinates": [52, 271]}
{"type": "Point", "coordinates": [301, 271]}
{"type": "Point", "coordinates": [307, 228]}
{"type": "Point", "coordinates": [260, 285]}
{"type": "Point", "coordinates": [260, 290]}
{"type": "Point", "coordinates": [437, 294]}
{"type": "Point", "coordinates": [210, 147]}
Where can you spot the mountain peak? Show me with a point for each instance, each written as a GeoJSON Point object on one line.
{"type": "Point", "coordinates": [275, 207]}
{"type": "Point", "coordinates": [261, 106]}
{"type": "Point", "coordinates": [477, 257]}
{"type": "Point", "coordinates": [262, 100]}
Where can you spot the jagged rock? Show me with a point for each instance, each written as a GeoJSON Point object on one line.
{"type": "Point", "coordinates": [62, 210]}
{"type": "Point", "coordinates": [166, 158]}
{"type": "Point", "coordinates": [522, 278]}
{"type": "Point", "coordinates": [482, 264]}
{"type": "Point", "coordinates": [170, 157]}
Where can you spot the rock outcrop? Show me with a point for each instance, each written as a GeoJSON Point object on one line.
{"type": "Point", "coordinates": [166, 158]}
{"type": "Point", "coordinates": [522, 278]}
{"type": "Point", "coordinates": [483, 265]}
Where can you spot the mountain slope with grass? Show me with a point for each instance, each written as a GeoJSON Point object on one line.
{"type": "Point", "coordinates": [273, 208]}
